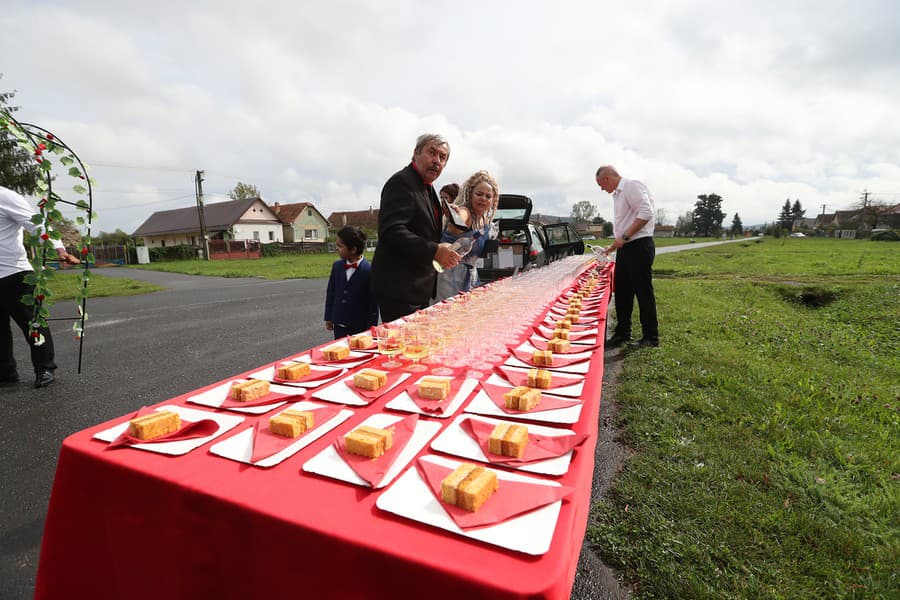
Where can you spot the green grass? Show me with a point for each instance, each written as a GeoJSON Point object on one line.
{"type": "Point", "coordinates": [65, 286]}
{"type": "Point", "coordinates": [300, 266]}
{"type": "Point", "coordinates": [767, 457]}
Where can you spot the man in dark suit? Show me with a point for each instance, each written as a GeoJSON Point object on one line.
{"type": "Point", "coordinates": [409, 232]}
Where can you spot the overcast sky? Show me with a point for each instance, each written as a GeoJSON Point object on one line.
{"type": "Point", "coordinates": [321, 101]}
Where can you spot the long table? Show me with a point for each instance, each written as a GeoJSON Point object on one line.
{"type": "Point", "coordinates": [132, 524]}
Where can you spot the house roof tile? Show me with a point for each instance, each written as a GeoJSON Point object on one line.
{"type": "Point", "coordinates": [219, 216]}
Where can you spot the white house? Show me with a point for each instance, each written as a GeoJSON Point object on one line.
{"type": "Point", "coordinates": [248, 219]}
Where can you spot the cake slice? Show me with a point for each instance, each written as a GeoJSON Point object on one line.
{"type": "Point", "coordinates": [539, 378]}
{"type": "Point", "coordinates": [336, 352]}
{"type": "Point", "coordinates": [292, 370]}
{"type": "Point", "coordinates": [250, 390]}
{"type": "Point", "coordinates": [370, 379]}
{"type": "Point", "coordinates": [468, 486]}
{"type": "Point", "coordinates": [154, 425]}
{"type": "Point", "coordinates": [542, 358]}
{"type": "Point", "coordinates": [361, 341]}
{"type": "Point", "coordinates": [561, 333]}
{"type": "Point", "coordinates": [522, 398]}
{"type": "Point", "coordinates": [369, 441]}
{"type": "Point", "coordinates": [508, 440]}
{"type": "Point", "coordinates": [558, 345]}
{"type": "Point", "coordinates": [434, 388]}
{"type": "Point", "coordinates": [291, 423]}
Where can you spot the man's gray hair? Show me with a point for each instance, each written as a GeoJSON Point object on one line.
{"type": "Point", "coordinates": [429, 138]}
{"type": "Point", "coordinates": [607, 170]}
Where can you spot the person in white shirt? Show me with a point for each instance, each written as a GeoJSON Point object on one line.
{"type": "Point", "coordinates": [633, 222]}
{"type": "Point", "coordinates": [15, 217]}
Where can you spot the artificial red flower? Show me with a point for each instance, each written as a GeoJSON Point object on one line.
{"type": "Point", "coordinates": [40, 297]}
{"type": "Point", "coordinates": [35, 334]}
{"type": "Point", "coordinates": [38, 159]}
{"type": "Point", "coordinates": [45, 237]}
{"type": "Point", "coordinates": [84, 250]}
{"type": "Point", "coordinates": [49, 136]}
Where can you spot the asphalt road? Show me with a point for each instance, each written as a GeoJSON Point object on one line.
{"type": "Point", "coordinates": [140, 350]}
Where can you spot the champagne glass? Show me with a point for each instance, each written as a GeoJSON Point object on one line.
{"type": "Point", "coordinates": [390, 344]}
{"type": "Point", "coordinates": [415, 346]}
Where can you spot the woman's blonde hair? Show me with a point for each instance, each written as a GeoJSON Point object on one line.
{"type": "Point", "coordinates": [465, 194]}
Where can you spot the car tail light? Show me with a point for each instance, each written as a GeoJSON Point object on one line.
{"type": "Point", "coordinates": [534, 254]}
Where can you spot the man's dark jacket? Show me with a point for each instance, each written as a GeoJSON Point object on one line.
{"type": "Point", "coordinates": [408, 235]}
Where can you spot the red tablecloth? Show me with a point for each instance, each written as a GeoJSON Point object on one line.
{"type": "Point", "coordinates": [135, 524]}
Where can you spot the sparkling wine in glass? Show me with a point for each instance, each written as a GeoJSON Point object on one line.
{"type": "Point", "coordinates": [415, 346]}
{"type": "Point", "coordinates": [390, 344]}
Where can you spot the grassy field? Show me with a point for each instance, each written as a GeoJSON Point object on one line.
{"type": "Point", "coordinates": [303, 266]}
{"type": "Point", "coordinates": [65, 286]}
{"type": "Point", "coordinates": [765, 427]}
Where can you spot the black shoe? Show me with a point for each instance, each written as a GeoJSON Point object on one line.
{"type": "Point", "coordinates": [10, 379]}
{"type": "Point", "coordinates": [648, 343]}
{"type": "Point", "coordinates": [43, 378]}
{"type": "Point", "coordinates": [617, 340]}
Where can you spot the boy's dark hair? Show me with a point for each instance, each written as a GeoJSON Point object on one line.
{"type": "Point", "coordinates": [354, 238]}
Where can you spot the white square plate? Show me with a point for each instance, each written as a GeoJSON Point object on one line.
{"type": "Point", "coordinates": [577, 368]}
{"type": "Point", "coordinates": [269, 374]}
{"type": "Point", "coordinates": [457, 442]}
{"type": "Point", "coordinates": [178, 447]}
{"type": "Point", "coordinates": [530, 533]}
{"type": "Point", "coordinates": [215, 397]}
{"type": "Point", "coordinates": [240, 447]}
{"type": "Point", "coordinates": [483, 405]}
{"type": "Point", "coordinates": [330, 464]}
{"type": "Point", "coordinates": [570, 391]}
{"type": "Point", "coordinates": [403, 401]}
{"type": "Point", "coordinates": [340, 393]}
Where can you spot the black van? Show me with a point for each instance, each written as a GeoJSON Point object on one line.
{"type": "Point", "coordinates": [521, 245]}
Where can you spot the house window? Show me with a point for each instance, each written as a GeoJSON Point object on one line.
{"type": "Point", "coordinates": [162, 243]}
{"type": "Point", "coordinates": [271, 236]}
{"type": "Point", "coordinates": [256, 235]}
{"type": "Point", "coordinates": [309, 234]}
{"type": "Point", "coordinates": [308, 212]}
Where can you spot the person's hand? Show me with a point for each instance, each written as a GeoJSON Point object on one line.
{"type": "Point", "coordinates": [446, 257]}
{"type": "Point", "coordinates": [329, 325]}
{"type": "Point", "coordinates": [610, 248]}
{"type": "Point", "coordinates": [65, 257]}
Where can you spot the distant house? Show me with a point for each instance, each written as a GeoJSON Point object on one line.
{"type": "Point", "coordinates": [248, 219]}
{"type": "Point", "coordinates": [364, 219]}
{"type": "Point", "coordinates": [805, 223]}
{"type": "Point", "coordinates": [301, 222]}
{"type": "Point", "coordinates": [824, 220]}
{"type": "Point", "coordinates": [664, 231]}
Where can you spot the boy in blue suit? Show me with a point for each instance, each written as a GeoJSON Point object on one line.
{"type": "Point", "coordinates": [350, 305]}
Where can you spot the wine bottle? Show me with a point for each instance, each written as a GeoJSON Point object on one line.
{"type": "Point", "coordinates": [462, 246]}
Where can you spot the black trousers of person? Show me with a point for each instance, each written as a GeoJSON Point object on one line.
{"type": "Point", "coordinates": [12, 288]}
{"type": "Point", "coordinates": [391, 308]}
{"type": "Point", "coordinates": [342, 331]}
{"type": "Point", "coordinates": [634, 278]}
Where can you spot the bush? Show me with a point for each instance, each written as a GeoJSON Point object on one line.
{"type": "Point", "coordinates": [273, 249]}
{"type": "Point", "coordinates": [885, 236]}
{"type": "Point", "coordinates": [180, 252]}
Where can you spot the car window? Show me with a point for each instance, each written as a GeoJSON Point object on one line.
{"type": "Point", "coordinates": [536, 243]}
{"type": "Point", "coordinates": [557, 235]}
{"type": "Point", "coordinates": [510, 213]}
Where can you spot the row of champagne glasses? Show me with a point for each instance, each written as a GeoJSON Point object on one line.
{"type": "Point", "coordinates": [473, 331]}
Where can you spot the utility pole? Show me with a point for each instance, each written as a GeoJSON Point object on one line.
{"type": "Point", "coordinates": [823, 208]}
{"type": "Point", "coordinates": [201, 213]}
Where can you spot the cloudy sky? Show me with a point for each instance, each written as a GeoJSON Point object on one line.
{"type": "Point", "coordinates": [322, 100]}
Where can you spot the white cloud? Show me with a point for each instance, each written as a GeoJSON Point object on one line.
{"type": "Point", "coordinates": [322, 101]}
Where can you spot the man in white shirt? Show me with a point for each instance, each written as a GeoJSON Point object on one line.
{"type": "Point", "coordinates": [634, 219]}
{"type": "Point", "coordinates": [15, 216]}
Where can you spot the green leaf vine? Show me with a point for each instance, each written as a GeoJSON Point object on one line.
{"type": "Point", "coordinates": [47, 151]}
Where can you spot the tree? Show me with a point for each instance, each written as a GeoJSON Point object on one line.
{"type": "Point", "coordinates": [737, 228]}
{"type": "Point", "coordinates": [786, 217]}
{"type": "Point", "coordinates": [242, 191]}
{"type": "Point", "coordinates": [583, 212]}
{"type": "Point", "coordinates": [116, 238]}
{"type": "Point", "coordinates": [708, 215]}
{"type": "Point", "coordinates": [797, 211]}
{"type": "Point", "coordinates": [684, 225]}
{"type": "Point", "coordinates": [661, 216]}
{"type": "Point", "coordinates": [17, 169]}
